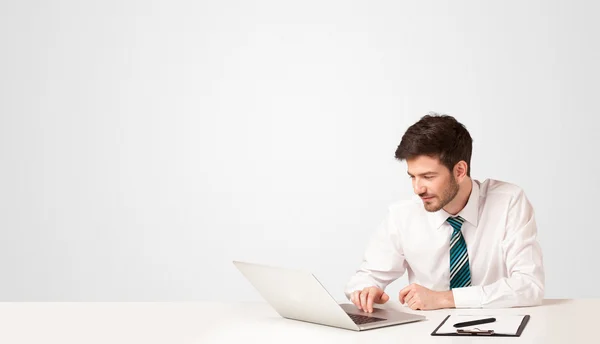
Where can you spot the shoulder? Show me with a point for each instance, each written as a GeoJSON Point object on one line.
{"type": "Point", "coordinates": [492, 189]}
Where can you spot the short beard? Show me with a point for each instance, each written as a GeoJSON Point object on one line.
{"type": "Point", "coordinates": [449, 194]}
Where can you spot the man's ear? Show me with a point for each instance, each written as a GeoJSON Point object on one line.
{"type": "Point", "coordinates": [460, 171]}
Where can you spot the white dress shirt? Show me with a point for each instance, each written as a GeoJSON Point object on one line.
{"type": "Point", "coordinates": [505, 257]}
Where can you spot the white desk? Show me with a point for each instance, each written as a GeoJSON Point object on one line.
{"type": "Point", "coordinates": [557, 321]}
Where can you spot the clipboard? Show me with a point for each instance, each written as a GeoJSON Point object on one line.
{"type": "Point", "coordinates": [481, 332]}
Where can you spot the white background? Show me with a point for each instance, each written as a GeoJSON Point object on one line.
{"type": "Point", "coordinates": [146, 144]}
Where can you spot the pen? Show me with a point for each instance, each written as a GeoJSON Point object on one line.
{"type": "Point", "coordinates": [475, 322]}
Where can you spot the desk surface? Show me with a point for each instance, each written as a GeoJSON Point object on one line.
{"type": "Point", "coordinates": [557, 321]}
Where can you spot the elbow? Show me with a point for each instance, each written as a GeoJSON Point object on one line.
{"type": "Point", "coordinates": [537, 294]}
{"type": "Point", "coordinates": [533, 295]}
{"type": "Point", "coordinates": [525, 291]}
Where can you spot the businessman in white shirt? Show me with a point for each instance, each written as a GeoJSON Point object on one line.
{"type": "Point", "coordinates": [463, 243]}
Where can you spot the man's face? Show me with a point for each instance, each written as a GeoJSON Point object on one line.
{"type": "Point", "coordinates": [432, 181]}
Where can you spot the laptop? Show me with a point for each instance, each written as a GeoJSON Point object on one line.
{"type": "Point", "coordinates": [298, 295]}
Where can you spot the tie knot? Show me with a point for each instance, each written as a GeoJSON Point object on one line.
{"type": "Point", "coordinates": [456, 222]}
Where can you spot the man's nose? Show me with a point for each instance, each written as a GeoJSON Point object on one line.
{"type": "Point", "coordinates": [419, 189]}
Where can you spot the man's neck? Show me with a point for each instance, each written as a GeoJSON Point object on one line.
{"type": "Point", "coordinates": [461, 199]}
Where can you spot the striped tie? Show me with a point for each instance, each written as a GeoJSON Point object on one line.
{"type": "Point", "coordinates": [460, 274]}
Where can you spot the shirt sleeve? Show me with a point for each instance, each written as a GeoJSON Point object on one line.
{"type": "Point", "coordinates": [383, 260]}
{"type": "Point", "coordinates": [524, 264]}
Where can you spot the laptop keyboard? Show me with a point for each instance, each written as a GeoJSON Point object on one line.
{"type": "Point", "coordinates": [363, 319]}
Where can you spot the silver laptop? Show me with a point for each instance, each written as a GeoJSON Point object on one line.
{"type": "Point", "coordinates": [298, 295]}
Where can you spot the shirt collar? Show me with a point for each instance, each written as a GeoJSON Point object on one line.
{"type": "Point", "coordinates": [470, 212]}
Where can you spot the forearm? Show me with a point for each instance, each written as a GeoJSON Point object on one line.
{"type": "Point", "coordinates": [517, 291]}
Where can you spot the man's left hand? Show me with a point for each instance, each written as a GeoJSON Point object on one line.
{"type": "Point", "coordinates": [418, 297]}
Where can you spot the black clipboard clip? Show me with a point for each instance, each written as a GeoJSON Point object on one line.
{"type": "Point", "coordinates": [475, 332]}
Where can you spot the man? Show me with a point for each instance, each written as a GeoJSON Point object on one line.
{"type": "Point", "coordinates": [464, 243]}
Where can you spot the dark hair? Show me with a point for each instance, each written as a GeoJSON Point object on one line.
{"type": "Point", "coordinates": [440, 136]}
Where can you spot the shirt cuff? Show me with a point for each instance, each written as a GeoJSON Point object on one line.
{"type": "Point", "coordinates": [469, 297]}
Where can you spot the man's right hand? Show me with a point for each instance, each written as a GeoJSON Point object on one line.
{"type": "Point", "coordinates": [364, 299]}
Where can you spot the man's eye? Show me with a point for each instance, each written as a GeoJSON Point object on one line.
{"type": "Point", "coordinates": [428, 177]}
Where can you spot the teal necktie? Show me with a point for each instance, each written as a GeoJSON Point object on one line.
{"type": "Point", "coordinates": [460, 273]}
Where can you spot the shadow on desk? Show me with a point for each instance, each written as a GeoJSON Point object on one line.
{"type": "Point", "coordinates": [552, 302]}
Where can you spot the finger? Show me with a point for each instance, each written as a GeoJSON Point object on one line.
{"type": "Point", "coordinates": [383, 299]}
{"type": "Point", "coordinates": [408, 298]}
{"type": "Point", "coordinates": [404, 292]}
{"type": "Point", "coordinates": [353, 298]}
{"type": "Point", "coordinates": [363, 300]}
{"type": "Point", "coordinates": [417, 305]}
{"type": "Point", "coordinates": [416, 301]}
{"type": "Point", "coordinates": [402, 295]}
{"type": "Point", "coordinates": [372, 296]}
{"type": "Point", "coordinates": [404, 298]}
{"type": "Point", "coordinates": [357, 299]}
